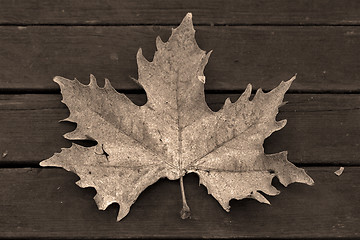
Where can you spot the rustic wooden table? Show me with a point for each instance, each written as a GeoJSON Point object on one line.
{"type": "Point", "coordinates": [258, 42]}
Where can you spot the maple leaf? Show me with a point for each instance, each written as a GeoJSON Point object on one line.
{"type": "Point", "coordinates": [174, 133]}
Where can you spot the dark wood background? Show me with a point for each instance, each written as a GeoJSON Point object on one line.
{"type": "Point", "coordinates": [258, 42]}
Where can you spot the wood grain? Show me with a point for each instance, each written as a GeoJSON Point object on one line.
{"type": "Point", "coordinates": [160, 12]}
{"type": "Point", "coordinates": [325, 58]}
{"type": "Point", "coordinates": [321, 129]}
{"type": "Point", "coordinates": [259, 41]}
{"type": "Point", "coordinates": [46, 203]}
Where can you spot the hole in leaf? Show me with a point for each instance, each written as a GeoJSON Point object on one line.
{"type": "Point", "coordinates": [85, 143]}
{"type": "Point", "coordinates": [105, 153]}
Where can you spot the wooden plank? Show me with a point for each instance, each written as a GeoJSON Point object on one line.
{"type": "Point", "coordinates": [321, 129]}
{"type": "Point", "coordinates": [325, 58]}
{"type": "Point", "coordinates": [46, 203]}
{"type": "Point", "coordinates": [160, 12]}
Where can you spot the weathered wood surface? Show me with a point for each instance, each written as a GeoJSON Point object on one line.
{"type": "Point", "coordinates": [47, 203]}
{"type": "Point", "coordinates": [321, 129]}
{"type": "Point", "coordinates": [325, 58]}
{"type": "Point", "coordinates": [165, 12]}
{"type": "Point", "coordinates": [259, 42]}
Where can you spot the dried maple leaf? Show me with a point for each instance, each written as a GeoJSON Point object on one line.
{"type": "Point", "coordinates": [174, 133]}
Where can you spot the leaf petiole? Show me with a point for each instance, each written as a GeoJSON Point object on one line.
{"type": "Point", "coordinates": [185, 211]}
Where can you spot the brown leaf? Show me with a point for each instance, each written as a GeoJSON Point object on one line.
{"type": "Point", "coordinates": [174, 133]}
{"type": "Point", "coordinates": [4, 154]}
{"type": "Point", "coordinates": [339, 171]}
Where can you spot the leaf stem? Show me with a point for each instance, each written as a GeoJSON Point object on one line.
{"type": "Point", "coordinates": [185, 211]}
